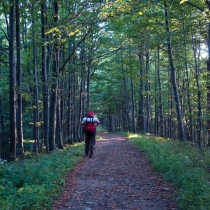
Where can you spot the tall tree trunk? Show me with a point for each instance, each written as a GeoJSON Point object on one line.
{"type": "Point", "coordinates": [190, 127]}
{"type": "Point", "coordinates": [20, 148]}
{"type": "Point", "coordinates": [53, 99]}
{"type": "Point", "coordinates": [3, 142]}
{"type": "Point", "coordinates": [88, 86]}
{"type": "Point", "coordinates": [147, 89]}
{"type": "Point", "coordinates": [69, 118]}
{"type": "Point", "coordinates": [13, 130]}
{"type": "Point", "coordinates": [156, 100]}
{"type": "Point", "coordinates": [208, 63]}
{"type": "Point", "coordinates": [141, 97]}
{"type": "Point", "coordinates": [59, 127]}
{"type": "Point", "coordinates": [170, 113]}
{"type": "Point", "coordinates": [35, 92]}
{"type": "Point", "coordinates": [173, 78]}
{"type": "Point", "coordinates": [208, 85]}
{"type": "Point", "coordinates": [45, 78]}
{"type": "Point", "coordinates": [197, 77]}
{"type": "Point", "coordinates": [133, 129]}
{"type": "Point", "coordinates": [162, 127]}
{"type": "Point", "coordinates": [74, 103]}
{"type": "Point", "coordinates": [59, 123]}
{"type": "Point", "coordinates": [81, 94]}
{"type": "Point", "coordinates": [126, 119]}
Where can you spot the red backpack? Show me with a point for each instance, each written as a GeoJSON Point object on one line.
{"type": "Point", "coordinates": [89, 126]}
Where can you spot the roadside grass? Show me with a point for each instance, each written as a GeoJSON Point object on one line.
{"type": "Point", "coordinates": [186, 166]}
{"type": "Point", "coordinates": [101, 129]}
{"type": "Point", "coordinates": [34, 183]}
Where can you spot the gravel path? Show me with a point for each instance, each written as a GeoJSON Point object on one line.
{"type": "Point", "coordinates": [117, 177]}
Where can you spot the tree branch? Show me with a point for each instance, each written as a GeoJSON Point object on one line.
{"type": "Point", "coordinates": [208, 3]}
{"type": "Point", "coordinates": [5, 34]}
{"type": "Point", "coordinates": [196, 6]}
{"type": "Point", "coordinates": [65, 62]}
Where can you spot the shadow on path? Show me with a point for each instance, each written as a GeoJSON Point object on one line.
{"type": "Point", "coordinates": [117, 177]}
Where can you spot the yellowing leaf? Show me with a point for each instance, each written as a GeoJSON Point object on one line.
{"type": "Point", "coordinates": [140, 13]}
{"type": "Point", "coordinates": [183, 1]}
{"type": "Point", "coordinates": [74, 32]}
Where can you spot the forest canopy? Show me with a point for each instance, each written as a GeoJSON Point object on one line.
{"type": "Point", "coordinates": [141, 66]}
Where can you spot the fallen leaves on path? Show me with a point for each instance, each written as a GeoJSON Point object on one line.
{"type": "Point", "coordinates": [117, 177]}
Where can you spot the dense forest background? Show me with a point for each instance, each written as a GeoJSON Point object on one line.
{"type": "Point", "coordinates": [141, 66]}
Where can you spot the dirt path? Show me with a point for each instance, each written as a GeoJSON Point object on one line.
{"type": "Point", "coordinates": [117, 177]}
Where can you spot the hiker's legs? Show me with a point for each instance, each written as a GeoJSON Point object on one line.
{"type": "Point", "coordinates": [87, 143]}
{"type": "Point", "coordinates": [92, 142]}
{"type": "Point", "coordinates": [94, 137]}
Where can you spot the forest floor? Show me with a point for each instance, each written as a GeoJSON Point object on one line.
{"type": "Point", "coordinates": [117, 177]}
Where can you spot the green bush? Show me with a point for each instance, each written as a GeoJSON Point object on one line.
{"type": "Point", "coordinates": [183, 165]}
{"type": "Point", "coordinates": [34, 183]}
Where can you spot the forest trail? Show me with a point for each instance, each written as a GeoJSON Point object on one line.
{"type": "Point", "coordinates": [117, 177]}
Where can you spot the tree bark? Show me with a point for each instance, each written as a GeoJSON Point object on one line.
{"type": "Point", "coordinates": [141, 96]}
{"type": "Point", "coordinates": [45, 78]}
{"type": "Point", "coordinates": [35, 92]}
{"type": "Point", "coordinates": [208, 85]}
{"type": "Point", "coordinates": [162, 126]}
{"type": "Point", "coordinates": [12, 93]}
{"type": "Point", "coordinates": [197, 77]}
{"type": "Point", "coordinates": [147, 89]}
{"type": "Point", "coordinates": [20, 148]}
{"type": "Point", "coordinates": [53, 100]}
{"type": "Point", "coordinates": [173, 77]}
{"type": "Point", "coordinates": [133, 129]}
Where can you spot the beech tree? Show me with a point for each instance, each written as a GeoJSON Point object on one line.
{"type": "Point", "coordinates": [139, 65]}
{"type": "Point", "coordinates": [12, 93]}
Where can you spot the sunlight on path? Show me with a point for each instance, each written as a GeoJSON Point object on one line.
{"type": "Point", "coordinates": [117, 177]}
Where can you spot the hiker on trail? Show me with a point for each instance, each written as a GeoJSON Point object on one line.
{"type": "Point", "coordinates": [90, 122]}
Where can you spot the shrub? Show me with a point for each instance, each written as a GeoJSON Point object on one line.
{"type": "Point", "coordinates": [34, 183]}
{"type": "Point", "coordinates": [183, 165]}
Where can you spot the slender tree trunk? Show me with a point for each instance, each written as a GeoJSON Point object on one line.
{"type": "Point", "coordinates": [133, 129]}
{"type": "Point", "coordinates": [208, 85]}
{"type": "Point", "coordinates": [69, 126]}
{"type": "Point", "coordinates": [173, 78]}
{"type": "Point", "coordinates": [3, 142]}
{"type": "Point", "coordinates": [126, 119]}
{"type": "Point", "coordinates": [13, 99]}
{"type": "Point", "coordinates": [59, 127]}
{"type": "Point", "coordinates": [74, 101]}
{"type": "Point", "coordinates": [88, 85]}
{"type": "Point", "coordinates": [190, 132]}
{"type": "Point", "coordinates": [45, 78]}
{"type": "Point", "coordinates": [208, 64]}
{"type": "Point", "coordinates": [35, 92]}
{"type": "Point", "coordinates": [170, 117]}
{"type": "Point", "coordinates": [53, 100]}
{"type": "Point", "coordinates": [81, 95]}
{"type": "Point", "coordinates": [20, 148]}
{"type": "Point", "coordinates": [53, 105]}
{"type": "Point", "coordinates": [162, 127]}
{"type": "Point", "coordinates": [147, 89]}
{"type": "Point", "coordinates": [141, 98]}
{"type": "Point", "coordinates": [59, 124]}
{"type": "Point", "coordinates": [197, 77]}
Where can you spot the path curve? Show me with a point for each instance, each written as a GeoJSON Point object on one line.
{"type": "Point", "coordinates": [117, 177]}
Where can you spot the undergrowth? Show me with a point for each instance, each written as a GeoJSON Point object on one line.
{"type": "Point", "coordinates": [187, 167]}
{"type": "Point", "coordinates": [34, 183]}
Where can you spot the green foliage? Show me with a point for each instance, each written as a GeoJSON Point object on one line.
{"type": "Point", "coordinates": [184, 165]}
{"type": "Point", "coordinates": [32, 184]}
{"type": "Point", "coordinates": [100, 129]}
